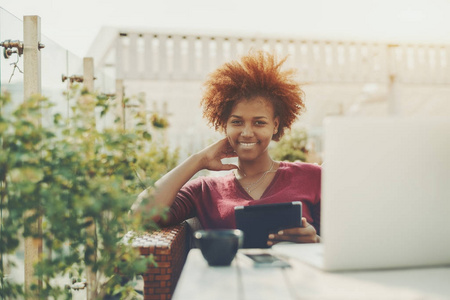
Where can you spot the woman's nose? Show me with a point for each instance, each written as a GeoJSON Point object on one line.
{"type": "Point", "coordinates": [247, 131]}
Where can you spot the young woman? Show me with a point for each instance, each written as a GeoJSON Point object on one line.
{"type": "Point", "coordinates": [252, 101]}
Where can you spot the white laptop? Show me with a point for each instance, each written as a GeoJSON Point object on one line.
{"type": "Point", "coordinates": [385, 195]}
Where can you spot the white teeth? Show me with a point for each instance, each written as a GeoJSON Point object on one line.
{"type": "Point", "coordinates": [247, 145]}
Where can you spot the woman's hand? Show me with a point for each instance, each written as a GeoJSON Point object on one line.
{"type": "Point", "coordinates": [305, 234]}
{"type": "Point", "coordinates": [212, 156]}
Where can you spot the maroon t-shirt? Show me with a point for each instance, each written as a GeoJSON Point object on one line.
{"type": "Point", "coordinates": [212, 199]}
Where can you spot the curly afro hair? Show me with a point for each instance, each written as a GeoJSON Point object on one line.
{"type": "Point", "coordinates": [256, 74]}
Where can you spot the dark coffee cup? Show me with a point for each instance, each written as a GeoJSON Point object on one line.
{"type": "Point", "coordinates": [219, 246]}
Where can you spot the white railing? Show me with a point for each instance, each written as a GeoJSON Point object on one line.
{"type": "Point", "coordinates": [172, 56]}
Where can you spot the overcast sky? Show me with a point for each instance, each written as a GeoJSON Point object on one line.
{"type": "Point", "coordinates": [74, 24]}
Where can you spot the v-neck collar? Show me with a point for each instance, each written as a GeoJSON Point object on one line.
{"type": "Point", "coordinates": [241, 188]}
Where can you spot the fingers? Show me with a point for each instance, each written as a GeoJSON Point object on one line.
{"type": "Point", "coordinates": [226, 167]}
{"type": "Point", "coordinates": [305, 234]}
{"type": "Point", "coordinates": [228, 150]}
{"type": "Point", "coordinates": [230, 153]}
{"type": "Point", "coordinates": [305, 223]}
{"type": "Point", "coordinates": [212, 156]}
{"type": "Point", "coordinates": [222, 149]}
{"type": "Point", "coordinates": [277, 238]}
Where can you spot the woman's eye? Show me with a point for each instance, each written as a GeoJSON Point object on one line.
{"type": "Point", "coordinates": [260, 123]}
{"type": "Point", "coordinates": [236, 122]}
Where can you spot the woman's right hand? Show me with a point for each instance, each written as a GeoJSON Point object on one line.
{"type": "Point", "coordinates": [213, 154]}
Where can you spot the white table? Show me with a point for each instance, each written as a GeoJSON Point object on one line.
{"type": "Point", "coordinates": [243, 281]}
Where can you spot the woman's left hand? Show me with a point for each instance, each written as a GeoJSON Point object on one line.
{"type": "Point", "coordinates": [305, 234]}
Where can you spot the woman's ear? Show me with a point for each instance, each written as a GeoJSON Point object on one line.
{"type": "Point", "coordinates": [222, 130]}
{"type": "Point", "coordinates": [276, 123]}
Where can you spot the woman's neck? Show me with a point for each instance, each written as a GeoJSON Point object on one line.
{"type": "Point", "coordinates": [254, 167]}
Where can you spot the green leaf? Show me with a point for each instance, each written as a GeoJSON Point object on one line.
{"type": "Point", "coordinates": [146, 135]}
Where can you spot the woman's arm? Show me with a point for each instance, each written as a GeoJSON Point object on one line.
{"type": "Point", "coordinates": [164, 192]}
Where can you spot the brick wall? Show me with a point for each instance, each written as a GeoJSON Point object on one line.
{"type": "Point", "coordinates": [169, 246]}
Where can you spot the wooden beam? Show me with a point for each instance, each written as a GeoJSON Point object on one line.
{"type": "Point", "coordinates": [32, 86]}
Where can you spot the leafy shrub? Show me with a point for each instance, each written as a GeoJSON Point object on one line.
{"type": "Point", "coordinates": [81, 182]}
{"type": "Point", "coordinates": [292, 147]}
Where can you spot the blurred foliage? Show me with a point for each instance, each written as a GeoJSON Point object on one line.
{"type": "Point", "coordinates": [292, 147]}
{"type": "Point", "coordinates": [159, 121]}
{"type": "Point", "coordinates": [71, 175]}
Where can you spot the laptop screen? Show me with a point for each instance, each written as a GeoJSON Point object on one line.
{"type": "Point", "coordinates": [386, 192]}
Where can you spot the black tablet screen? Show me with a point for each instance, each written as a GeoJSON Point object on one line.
{"type": "Point", "coordinates": [257, 221]}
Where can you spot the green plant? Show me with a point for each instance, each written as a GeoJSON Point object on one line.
{"type": "Point", "coordinates": [81, 182]}
{"type": "Point", "coordinates": [159, 121]}
{"type": "Point", "coordinates": [292, 147]}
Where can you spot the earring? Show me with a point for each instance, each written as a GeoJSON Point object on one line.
{"type": "Point", "coordinates": [275, 131]}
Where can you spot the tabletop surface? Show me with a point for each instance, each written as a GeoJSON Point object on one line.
{"type": "Point", "coordinates": [243, 281]}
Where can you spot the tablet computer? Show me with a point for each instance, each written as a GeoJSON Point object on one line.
{"type": "Point", "coordinates": [258, 221]}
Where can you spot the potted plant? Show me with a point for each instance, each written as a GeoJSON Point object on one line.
{"type": "Point", "coordinates": [81, 182]}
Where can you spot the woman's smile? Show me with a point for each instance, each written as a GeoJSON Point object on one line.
{"type": "Point", "coordinates": [247, 145]}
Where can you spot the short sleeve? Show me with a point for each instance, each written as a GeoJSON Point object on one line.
{"type": "Point", "coordinates": [183, 207]}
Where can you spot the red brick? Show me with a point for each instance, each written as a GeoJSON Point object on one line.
{"type": "Point", "coordinates": [163, 251]}
{"type": "Point", "coordinates": [169, 251]}
{"type": "Point", "coordinates": [144, 251]}
{"type": "Point", "coordinates": [149, 277]}
{"type": "Point", "coordinates": [152, 297]}
{"type": "Point", "coordinates": [162, 290]}
{"type": "Point", "coordinates": [154, 271]}
{"type": "Point", "coordinates": [149, 250]}
{"type": "Point", "coordinates": [164, 264]}
{"type": "Point", "coordinates": [155, 284]}
{"type": "Point", "coordinates": [162, 277]}
{"type": "Point", "coordinates": [145, 276]}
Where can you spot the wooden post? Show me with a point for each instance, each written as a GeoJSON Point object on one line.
{"type": "Point", "coordinates": [120, 109]}
{"type": "Point", "coordinates": [31, 56]}
{"type": "Point", "coordinates": [32, 86]}
{"type": "Point", "coordinates": [88, 73]}
{"type": "Point", "coordinates": [91, 276]}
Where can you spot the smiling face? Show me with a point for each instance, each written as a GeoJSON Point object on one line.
{"type": "Point", "coordinates": [250, 127]}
